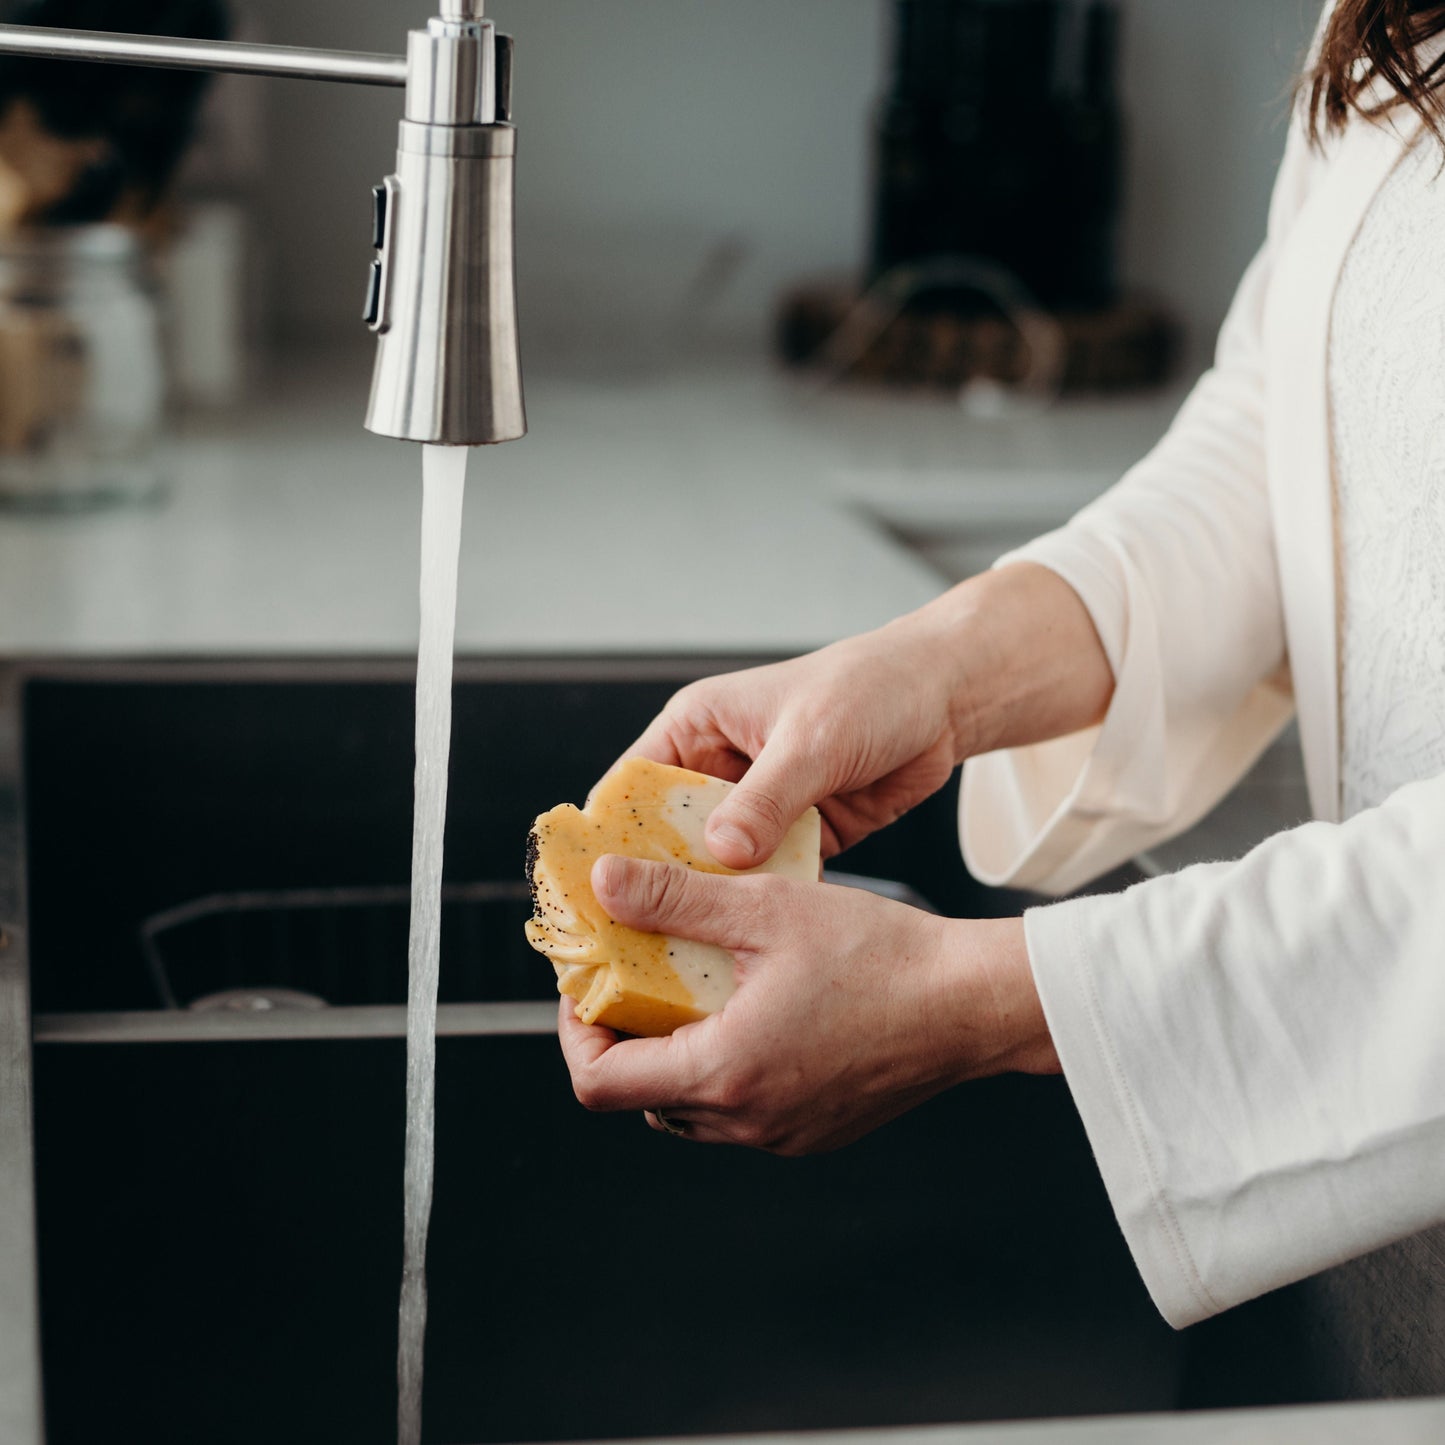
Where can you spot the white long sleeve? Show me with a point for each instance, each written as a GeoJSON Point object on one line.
{"type": "Point", "coordinates": [1177, 567]}
{"type": "Point", "coordinates": [1255, 1047]}
{"type": "Point", "coordinates": [1256, 1051]}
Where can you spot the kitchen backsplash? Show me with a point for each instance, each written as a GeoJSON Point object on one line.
{"type": "Point", "coordinates": [723, 147]}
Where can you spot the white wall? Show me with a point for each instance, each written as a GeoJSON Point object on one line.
{"type": "Point", "coordinates": [1208, 85]}
{"type": "Point", "coordinates": [654, 130]}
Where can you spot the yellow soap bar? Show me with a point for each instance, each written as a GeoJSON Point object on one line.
{"type": "Point", "coordinates": [639, 983]}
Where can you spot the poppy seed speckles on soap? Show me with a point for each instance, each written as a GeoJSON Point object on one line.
{"type": "Point", "coordinates": [533, 847]}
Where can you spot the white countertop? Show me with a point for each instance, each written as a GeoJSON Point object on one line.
{"type": "Point", "coordinates": [719, 509]}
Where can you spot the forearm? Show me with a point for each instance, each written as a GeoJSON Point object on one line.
{"type": "Point", "coordinates": [1022, 660]}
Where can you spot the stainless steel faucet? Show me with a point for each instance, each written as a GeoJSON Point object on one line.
{"type": "Point", "coordinates": [442, 294]}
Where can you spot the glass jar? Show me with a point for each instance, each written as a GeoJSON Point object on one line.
{"type": "Point", "coordinates": [82, 374]}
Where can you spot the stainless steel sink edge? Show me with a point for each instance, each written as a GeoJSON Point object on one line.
{"type": "Point", "coordinates": [373, 1021]}
{"type": "Point", "coordinates": [21, 1419]}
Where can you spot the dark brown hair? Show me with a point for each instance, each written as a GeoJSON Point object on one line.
{"type": "Point", "coordinates": [1367, 40]}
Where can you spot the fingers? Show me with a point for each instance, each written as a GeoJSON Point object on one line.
{"type": "Point", "coordinates": [664, 898]}
{"type": "Point", "coordinates": [657, 744]}
{"type": "Point", "coordinates": [691, 733]}
{"type": "Point", "coordinates": [665, 741]}
{"type": "Point", "coordinates": [742, 738]}
{"type": "Point", "coordinates": [582, 1044]}
{"type": "Point", "coordinates": [747, 827]}
{"type": "Point", "coordinates": [684, 1125]}
{"type": "Point", "coordinates": [609, 1076]}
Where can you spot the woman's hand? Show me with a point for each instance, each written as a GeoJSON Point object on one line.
{"type": "Point", "coordinates": [869, 728]}
{"type": "Point", "coordinates": [863, 729]}
{"type": "Point", "coordinates": [850, 1010]}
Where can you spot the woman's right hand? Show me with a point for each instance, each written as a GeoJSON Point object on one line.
{"type": "Point", "coordinates": [868, 728]}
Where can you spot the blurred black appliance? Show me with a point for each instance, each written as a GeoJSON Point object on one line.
{"type": "Point", "coordinates": [1000, 139]}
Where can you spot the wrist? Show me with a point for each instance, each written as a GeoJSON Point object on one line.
{"type": "Point", "coordinates": [957, 660]}
{"type": "Point", "coordinates": [1018, 656]}
{"type": "Point", "coordinates": [995, 1022]}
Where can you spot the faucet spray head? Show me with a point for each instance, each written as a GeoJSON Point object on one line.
{"type": "Point", "coordinates": [443, 300]}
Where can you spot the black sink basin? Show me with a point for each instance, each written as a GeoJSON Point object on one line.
{"type": "Point", "coordinates": [219, 1219]}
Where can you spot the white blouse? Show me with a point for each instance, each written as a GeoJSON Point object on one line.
{"type": "Point", "coordinates": [1387, 404]}
{"type": "Point", "coordinates": [1257, 1047]}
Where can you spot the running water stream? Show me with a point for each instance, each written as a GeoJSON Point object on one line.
{"type": "Point", "coordinates": [444, 474]}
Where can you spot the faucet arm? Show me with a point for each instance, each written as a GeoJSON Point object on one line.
{"type": "Point", "coordinates": [177, 53]}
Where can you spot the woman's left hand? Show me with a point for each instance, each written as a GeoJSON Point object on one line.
{"type": "Point", "coordinates": [850, 1010]}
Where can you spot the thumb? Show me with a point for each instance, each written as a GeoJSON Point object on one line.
{"type": "Point", "coordinates": [663, 898]}
{"type": "Point", "coordinates": [746, 828]}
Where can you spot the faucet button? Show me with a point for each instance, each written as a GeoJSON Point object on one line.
{"type": "Point", "coordinates": [372, 314]}
{"type": "Point", "coordinates": [378, 217]}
